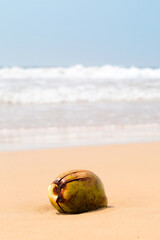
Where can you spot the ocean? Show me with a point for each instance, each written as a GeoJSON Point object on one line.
{"type": "Point", "coordinates": [73, 106]}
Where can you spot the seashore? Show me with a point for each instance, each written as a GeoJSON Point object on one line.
{"type": "Point", "coordinates": [129, 172]}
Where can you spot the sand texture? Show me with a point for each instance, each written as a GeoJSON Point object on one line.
{"type": "Point", "coordinates": [131, 177]}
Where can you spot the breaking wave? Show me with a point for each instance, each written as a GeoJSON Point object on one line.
{"type": "Point", "coordinates": [79, 71]}
{"type": "Point", "coordinates": [78, 84]}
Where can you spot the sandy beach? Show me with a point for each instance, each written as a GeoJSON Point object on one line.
{"type": "Point", "coordinates": [129, 172]}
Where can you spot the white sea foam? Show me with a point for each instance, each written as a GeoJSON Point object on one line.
{"type": "Point", "coordinates": [64, 94]}
{"type": "Point", "coordinates": [78, 84]}
{"type": "Point", "coordinates": [79, 71]}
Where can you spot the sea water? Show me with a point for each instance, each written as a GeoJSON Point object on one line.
{"type": "Point", "coordinates": [54, 107]}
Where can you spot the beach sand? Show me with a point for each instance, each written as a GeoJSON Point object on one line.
{"type": "Point", "coordinates": [131, 177]}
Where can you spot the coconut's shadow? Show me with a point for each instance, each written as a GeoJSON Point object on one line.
{"type": "Point", "coordinates": [97, 210]}
{"type": "Point", "coordinates": [45, 209]}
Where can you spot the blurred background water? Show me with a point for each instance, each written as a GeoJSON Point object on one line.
{"type": "Point", "coordinates": [54, 107]}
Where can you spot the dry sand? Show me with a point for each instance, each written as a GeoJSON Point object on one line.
{"type": "Point", "coordinates": [131, 176]}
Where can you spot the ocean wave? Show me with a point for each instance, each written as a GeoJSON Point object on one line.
{"type": "Point", "coordinates": [78, 84]}
{"type": "Point", "coordinates": [79, 71]}
{"type": "Point", "coordinates": [72, 95]}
